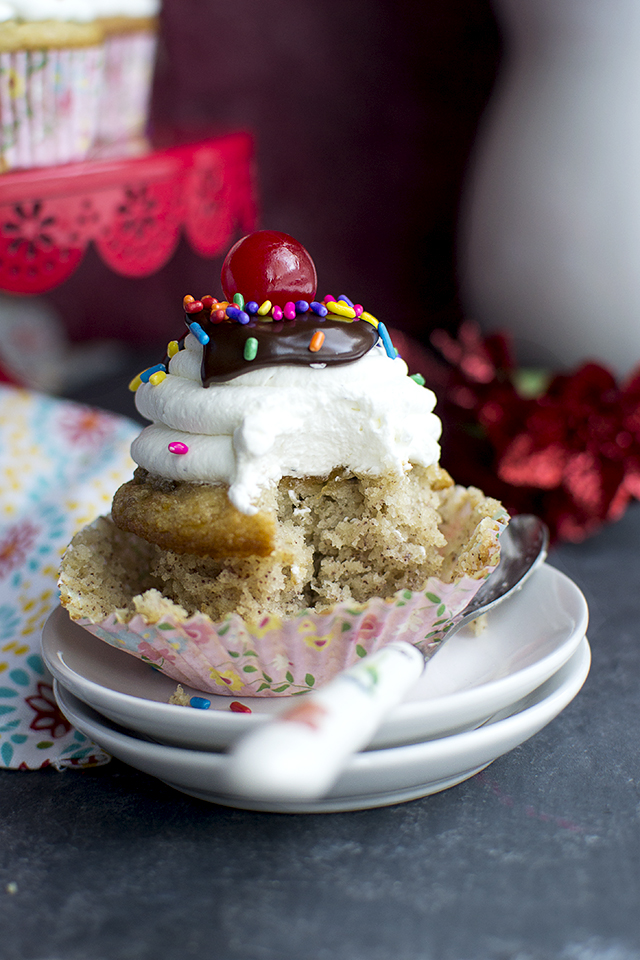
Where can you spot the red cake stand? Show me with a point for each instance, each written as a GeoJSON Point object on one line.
{"type": "Point", "coordinates": [133, 210]}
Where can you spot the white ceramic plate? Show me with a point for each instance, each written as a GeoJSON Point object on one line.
{"type": "Point", "coordinates": [371, 779]}
{"type": "Point", "coordinates": [528, 638]}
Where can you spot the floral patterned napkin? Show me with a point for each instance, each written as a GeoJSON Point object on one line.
{"type": "Point", "coordinates": [60, 464]}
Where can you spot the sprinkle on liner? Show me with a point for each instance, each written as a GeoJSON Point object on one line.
{"type": "Point", "coordinates": [177, 447]}
{"type": "Point", "coordinates": [200, 703]}
{"type": "Point", "coordinates": [316, 341]}
{"type": "Point", "coordinates": [236, 707]}
{"type": "Point", "coordinates": [250, 348]}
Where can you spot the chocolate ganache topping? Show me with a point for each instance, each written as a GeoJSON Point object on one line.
{"type": "Point", "coordinates": [231, 347]}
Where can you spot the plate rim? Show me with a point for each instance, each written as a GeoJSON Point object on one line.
{"type": "Point", "coordinates": [510, 731]}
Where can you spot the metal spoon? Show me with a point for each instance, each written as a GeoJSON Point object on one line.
{"type": "Point", "coordinates": [299, 753]}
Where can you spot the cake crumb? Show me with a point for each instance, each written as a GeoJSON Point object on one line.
{"type": "Point", "coordinates": [479, 625]}
{"type": "Point", "coordinates": [11, 887]}
{"type": "Point", "coordinates": [179, 697]}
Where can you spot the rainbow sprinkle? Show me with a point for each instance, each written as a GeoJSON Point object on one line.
{"type": "Point", "coordinates": [199, 333]}
{"type": "Point", "coordinates": [316, 341]}
{"type": "Point", "coordinates": [177, 447]}
{"type": "Point", "coordinates": [250, 348]}
{"type": "Point", "coordinates": [146, 375]}
{"type": "Point", "coordinates": [386, 341]}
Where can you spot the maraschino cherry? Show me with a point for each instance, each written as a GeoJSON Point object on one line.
{"type": "Point", "coordinates": [268, 265]}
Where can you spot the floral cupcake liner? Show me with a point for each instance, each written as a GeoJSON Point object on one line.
{"type": "Point", "coordinates": [49, 105]}
{"type": "Point", "coordinates": [124, 105]}
{"type": "Point", "coordinates": [283, 657]}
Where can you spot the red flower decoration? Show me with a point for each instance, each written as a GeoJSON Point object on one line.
{"type": "Point", "coordinates": [568, 450]}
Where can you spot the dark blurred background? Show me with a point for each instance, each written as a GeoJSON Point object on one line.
{"type": "Point", "coordinates": [363, 113]}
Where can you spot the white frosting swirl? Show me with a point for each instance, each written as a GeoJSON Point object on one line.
{"type": "Point", "coordinates": [298, 421]}
{"type": "Point", "coordinates": [77, 11]}
{"type": "Point", "coordinates": [126, 8]}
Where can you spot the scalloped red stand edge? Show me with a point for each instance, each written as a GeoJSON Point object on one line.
{"type": "Point", "coordinates": [133, 210]}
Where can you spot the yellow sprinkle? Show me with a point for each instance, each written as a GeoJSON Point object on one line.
{"type": "Point", "coordinates": [264, 308]}
{"type": "Point", "coordinates": [341, 308]}
{"type": "Point", "coordinates": [157, 377]}
{"type": "Point", "coordinates": [173, 348]}
{"type": "Point", "coordinates": [135, 383]}
{"type": "Point", "coordinates": [369, 318]}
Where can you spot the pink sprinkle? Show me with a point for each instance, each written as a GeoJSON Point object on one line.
{"type": "Point", "coordinates": [328, 298]}
{"type": "Point", "coordinates": [358, 309]}
{"type": "Point", "coordinates": [276, 313]}
{"type": "Point", "coordinates": [290, 310]}
{"type": "Point", "coordinates": [177, 447]}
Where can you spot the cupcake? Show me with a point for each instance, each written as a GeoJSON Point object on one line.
{"type": "Point", "coordinates": [51, 63]}
{"type": "Point", "coordinates": [288, 514]}
{"type": "Point", "coordinates": [130, 30]}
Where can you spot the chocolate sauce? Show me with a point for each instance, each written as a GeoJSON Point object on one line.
{"type": "Point", "coordinates": [279, 342]}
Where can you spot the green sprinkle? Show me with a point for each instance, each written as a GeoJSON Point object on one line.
{"type": "Point", "coordinates": [238, 299]}
{"type": "Point", "coordinates": [250, 347]}
{"type": "Point", "coordinates": [419, 379]}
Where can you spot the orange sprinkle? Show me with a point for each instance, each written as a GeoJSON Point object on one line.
{"type": "Point", "coordinates": [187, 299]}
{"type": "Point", "coordinates": [316, 341]}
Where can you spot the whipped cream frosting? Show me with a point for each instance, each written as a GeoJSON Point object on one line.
{"type": "Point", "coordinates": [76, 11]}
{"type": "Point", "coordinates": [367, 416]}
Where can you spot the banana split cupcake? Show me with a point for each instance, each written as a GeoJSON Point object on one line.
{"type": "Point", "coordinates": [289, 513]}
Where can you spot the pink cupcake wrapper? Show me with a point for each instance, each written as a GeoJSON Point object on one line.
{"type": "Point", "coordinates": [124, 106]}
{"type": "Point", "coordinates": [283, 657]}
{"type": "Point", "coordinates": [49, 105]}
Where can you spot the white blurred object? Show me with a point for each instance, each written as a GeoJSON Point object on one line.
{"type": "Point", "coordinates": [35, 351]}
{"type": "Point", "coordinates": [549, 241]}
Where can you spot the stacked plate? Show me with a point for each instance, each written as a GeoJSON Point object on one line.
{"type": "Point", "coordinates": [480, 697]}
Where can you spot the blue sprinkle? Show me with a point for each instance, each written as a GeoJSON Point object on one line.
{"type": "Point", "coordinates": [243, 317]}
{"type": "Point", "coordinates": [252, 307]}
{"type": "Point", "coordinates": [301, 306]}
{"type": "Point", "coordinates": [346, 299]}
{"type": "Point", "coordinates": [199, 333]}
{"type": "Point", "coordinates": [144, 376]}
{"type": "Point", "coordinates": [319, 308]}
{"type": "Point", "coordinates": [200, 703]}
{"type": "Point", "coordinates": [386, 341]}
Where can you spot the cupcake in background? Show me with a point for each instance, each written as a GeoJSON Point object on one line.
{"type": "Point", "coordinates": [51, 74]}
{"type": "Point", "coordinates": [130, 30]}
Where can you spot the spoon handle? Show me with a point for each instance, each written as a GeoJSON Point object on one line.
{"type": "Point", "coordinates": [298, 755]}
